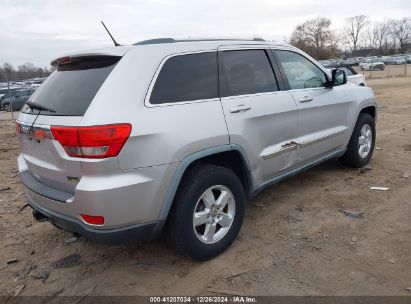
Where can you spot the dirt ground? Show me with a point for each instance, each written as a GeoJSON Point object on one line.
{"type": "Point", "coordinates": [295, 240]}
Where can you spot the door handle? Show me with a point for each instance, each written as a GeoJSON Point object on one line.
{"type": "Point", "coordinates": [306, 99]}
{"type": "Point", "coordinates": [240, 108]}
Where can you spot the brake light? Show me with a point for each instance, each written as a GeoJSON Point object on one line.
{"type": "Point", "coordinates": [92, 142]}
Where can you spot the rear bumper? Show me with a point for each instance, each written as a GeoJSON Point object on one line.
{"type": "Point", "coordinates": [129, 201]}
{"type": "Point", "coordinates": [129, 234]}
{"type": "Point", "coordinates": [124, 198]}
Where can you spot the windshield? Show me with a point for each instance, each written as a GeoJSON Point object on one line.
{"type": "Point", "coordinates": [70, 89]}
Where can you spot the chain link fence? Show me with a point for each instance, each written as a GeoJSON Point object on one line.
{"type": "Point", "coordinates": [401, 70]}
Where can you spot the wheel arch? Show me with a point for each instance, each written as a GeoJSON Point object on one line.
{"type": "Point", "coordinates": [372, 110]}
{"type": "Point", "coordinates": [227, 155]}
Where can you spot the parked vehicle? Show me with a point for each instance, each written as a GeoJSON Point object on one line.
{"type": "Point", "coordinates": [16, 102]}
{"type": "Point", "coordinates": [325, 63]}
{"type": "Point", "coordinates": [10, 93]}
{"type": "Point", "coordinates": [6, 90]}
{"type": "Point", "coordinates": [353, 77]}
{"type": "Point", "coordinates": [3, 92]}
{"type": "Point", "coordinates": [349, 62]}
{"type": "Point", "coordinates": [199, 127]}
{"type": "Point", "coordinates": [399, 59]}
{"type": "Point", "coordinates": [372, 64]}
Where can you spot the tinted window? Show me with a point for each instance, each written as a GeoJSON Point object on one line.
{"type": "Point", "coordinates": [348, 71]}
{"type": "Point", "coordinates": [248, 72]}
{"type": "Point", "coordinates": [301, 72]}
{"type": "Point", "coordinates": [70, 89]}
{"type": "Point", "coordinates": [186, 78]}
{"type": "Point", "coordinates": [21, 94]}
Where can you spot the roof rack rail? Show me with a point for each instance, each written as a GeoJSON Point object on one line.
{"type": "Point", "coordinates": [156, 41]}
{"type": "Point", "coordinates": [172, 40]}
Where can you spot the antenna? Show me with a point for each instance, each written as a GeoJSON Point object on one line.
{"type": "Point", "coordinates": [115, 42]}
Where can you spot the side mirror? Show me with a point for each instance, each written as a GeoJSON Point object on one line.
{"type": "Point", "coordinates": [339, 77]}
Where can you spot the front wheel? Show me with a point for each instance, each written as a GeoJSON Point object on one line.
{"type": "Point", "coordinates": [362, 142]}
{"type": "Point", "coordinates": [207, 213]}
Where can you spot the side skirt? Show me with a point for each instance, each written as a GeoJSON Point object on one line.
{"type": "Point", "coordinates": [292, 172]}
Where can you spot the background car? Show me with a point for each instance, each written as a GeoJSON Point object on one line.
{"type": "Point", "coordinates": [354, 77]}
{"type": "Point", "coordinates": [17, 101]}
{"type": "Point", "coordinates": [350, 62]}
{"type": "Point", "coordinates": [3, 92]}
{"type": "Point", "coordinates": [399, 59]}
{"type": "Point", "coordinates": [10, 93]}
{"type": "Point", "coordinates": [372, 64]}
{"type": "Point", "coordinates": [7, 91]}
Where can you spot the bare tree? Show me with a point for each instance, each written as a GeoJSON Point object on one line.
{"type": "Point", "coordinates": [24, 71]}
{"type": "Point", "coordinates": [352, 30]}
{"type": "Point", "coordinates": [314, 36]}
{"type": "Point", "coordinates": [401, 32]}
{"type": "Point", "coordinates": [26, 67]}
{"type": "Point", "coordinates": [381, 34]}
{"type": "Point", "coordinates": [371, 36]}
{"type": "Point", "coordinates": [377, 36]}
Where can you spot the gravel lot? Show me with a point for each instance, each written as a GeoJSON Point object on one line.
{"type": "Point", "coordinates": [296, 239]}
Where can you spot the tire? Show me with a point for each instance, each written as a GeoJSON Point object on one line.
{"type": "Point", "coordinates": [352, 156]}
{"type": "Point", "coordinates": [191, 240]}
{"type": "Point", "coordinates": [7, 107]}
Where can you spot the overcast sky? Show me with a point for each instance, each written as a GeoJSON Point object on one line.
{"type": "Point", "coordinates": [39, 30]}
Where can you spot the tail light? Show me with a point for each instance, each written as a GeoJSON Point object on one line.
{"type": "Point", "coordinates": [92, 142]}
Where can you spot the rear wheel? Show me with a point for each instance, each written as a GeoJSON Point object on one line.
{"type": "Point", "coordinates": [7, 107]}
{"type": "Point", "coordinates": [207, 213]}
{"type": "Point", "coordinates": [362, 142]}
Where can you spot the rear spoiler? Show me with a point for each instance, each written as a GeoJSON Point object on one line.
{"type": "Point", "coordinates": [84, 62]}
{"type": "Point", "coordinates": [112, 51]}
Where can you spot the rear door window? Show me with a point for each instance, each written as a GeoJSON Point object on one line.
{"type": "Point", "coordinates": [70, 89]}
{"type": "Point", "coordinates": [248, 72]}
{"type": "Point", "coordinates": [187, 78]}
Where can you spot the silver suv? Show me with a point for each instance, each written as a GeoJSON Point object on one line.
{"type": "Point", "coordinates": [172, 137]}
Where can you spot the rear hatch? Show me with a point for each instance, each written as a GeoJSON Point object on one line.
{"type": "Point", "coordinates": [62, 100]}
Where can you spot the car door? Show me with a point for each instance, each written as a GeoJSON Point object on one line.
{"type": "Point", "coordinates": [261, 118]}
{"type": "Point", "coordinates": [22, 100]}
{"type": "Point", "coordinates": [16, 99]}
{"type": "Point", "coordinates": [322, 110]}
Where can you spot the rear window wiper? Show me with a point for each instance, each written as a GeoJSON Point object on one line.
{"type": "Point", "coordinates": [36, 106]}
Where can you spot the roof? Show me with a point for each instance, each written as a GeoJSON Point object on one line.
{"type": "Point", "coordinates": [175, 45]}
{"type": "Point", "coordinates": [172, 40]}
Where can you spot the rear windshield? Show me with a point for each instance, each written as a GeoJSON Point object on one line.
{"type": "Point", "coordinates": [70, 89]}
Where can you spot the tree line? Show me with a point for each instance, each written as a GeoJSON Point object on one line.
{"type": "Point", "coordinates": [358, 37]}
{"type": "Point", "coordinates": [24, 71]}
